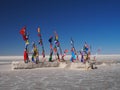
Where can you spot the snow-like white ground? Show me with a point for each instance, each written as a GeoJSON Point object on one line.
{"type": "Point", "coordinates": [106, 77]}
{"type": "Point", "coordinates": [98, 57]}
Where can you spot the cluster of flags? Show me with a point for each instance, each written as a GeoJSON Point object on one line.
{"type": "Point", "coordinates": [56, 49]}
{"type": "Point", "coordinates": [54, 46]}
{"type": "Point", "coordinates": [25, 36]}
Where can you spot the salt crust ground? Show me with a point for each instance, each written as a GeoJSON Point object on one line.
{"type": "Point", "coordinates": [106, 77]}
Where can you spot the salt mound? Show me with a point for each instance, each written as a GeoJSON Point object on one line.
{"type": "Point", "coordinates": [104, 64]}
{"type": "Point", "coordinates": [81, 66]}
{"type": "Point", "coordinates": [30, 65]}
{"type": "Point", "coordinates": [62, 65]}
{"type": "Point", "coordinates": [67, 65]}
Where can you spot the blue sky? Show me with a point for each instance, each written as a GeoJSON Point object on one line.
{"type": "Point", "coordinates": [95, 21]}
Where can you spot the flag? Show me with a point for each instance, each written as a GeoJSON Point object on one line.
{"type": "Point", "coordinates": [22, 31]}
{"type": "Point", "coordinates": [56, 36]}
{"type": "Point", "coordinates": [65, 51]}
{"type": "Point", "coordinates": [72, 42]}
{"type": "Point", "coordinates": [38, 29]}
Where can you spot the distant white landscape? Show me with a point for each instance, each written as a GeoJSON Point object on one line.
{"type": "Point", "coordinates": [67, 57]}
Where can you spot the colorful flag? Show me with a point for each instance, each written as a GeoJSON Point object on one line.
{"type": "Point", "coordinates": [22, 31]}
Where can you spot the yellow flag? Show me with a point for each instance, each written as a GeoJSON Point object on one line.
{"type": "Point", "coordinates": [27, 42]}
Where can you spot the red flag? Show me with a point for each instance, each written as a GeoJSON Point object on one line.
{"type": "Point", "coordinates": [66, 51]}
{"type": "Point", "coordinates": [22, 31]}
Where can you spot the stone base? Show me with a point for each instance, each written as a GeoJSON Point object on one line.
{"type": "Point", "coordinates": [31, 65]}
{"type": "Point", "coordinates": [67, 65]}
